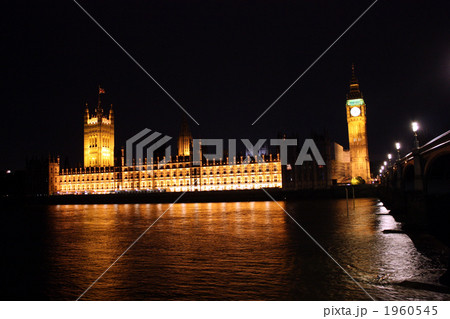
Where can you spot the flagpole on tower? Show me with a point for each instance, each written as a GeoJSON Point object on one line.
{"type": "Point", "coordinates": [100, 92]}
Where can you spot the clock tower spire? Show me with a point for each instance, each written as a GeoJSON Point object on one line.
{"type": "Point", "coordinates": [357, 131]}
{"type": "Point", "coordinates": [354, 93]}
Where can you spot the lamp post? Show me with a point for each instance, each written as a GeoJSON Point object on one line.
{"type": "Point", "coordinates": [415, 128]}
{"type": "Point", "coordinates": [389, 158]}
{"type": "Point", "coordinates": [397, 147]}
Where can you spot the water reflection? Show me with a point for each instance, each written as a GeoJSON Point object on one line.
{"type": "Point", "coordinates": [230, 251]}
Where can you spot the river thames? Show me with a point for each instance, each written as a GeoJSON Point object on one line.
{"type": "Point", "coordinates": [212, 251]}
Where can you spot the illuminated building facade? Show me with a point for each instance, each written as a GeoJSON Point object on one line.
{"type": "Point", "coordinates": [98, 136]}
{"type": "Point", "coordinates": [352, 163]}
{"type": "Point", "coordinates": [175, 176]}
{"type": "Point", "coordinates": [357, 131]}
{"type": "Point", "coordinates": [100, 176]}
{"type": "Point", "coordinates": [340, 165]}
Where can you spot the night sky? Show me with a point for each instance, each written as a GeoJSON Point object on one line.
{"type": "Point", "coordinates": [225, 62]}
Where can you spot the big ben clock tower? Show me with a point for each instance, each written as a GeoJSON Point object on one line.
{"type": "Point", "coordinates": [357, 131]}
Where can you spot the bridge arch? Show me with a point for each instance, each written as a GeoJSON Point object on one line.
{"type": "Point", "coordinates": [437, 174]}
{"type": "Point", "coordinates": [395, 176]}
{"type": "Point", "coordinates": [408, 178]}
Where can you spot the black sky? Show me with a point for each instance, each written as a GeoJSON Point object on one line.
{"type": "Point", "coordinates": [225, 62]}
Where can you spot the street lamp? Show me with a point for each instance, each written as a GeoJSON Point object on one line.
{"type": "Point", "coordinates": [415, 128]}
{"type": "Point", "coordinates": [397, 147]}
{"type": "Point", "coordinates": [385, 164]}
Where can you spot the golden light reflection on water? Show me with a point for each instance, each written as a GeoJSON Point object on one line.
{"type": "Point", "coordinates": [239, 251]}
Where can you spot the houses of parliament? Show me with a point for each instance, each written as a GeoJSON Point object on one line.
{"type": "Point", "coordinates": [102, 174]}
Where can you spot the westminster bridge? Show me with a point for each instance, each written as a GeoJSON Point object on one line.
{"type": "Point", "coordinates": [416, 187]}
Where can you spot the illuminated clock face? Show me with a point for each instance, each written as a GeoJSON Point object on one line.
{"type": "Point", "coordinates": [355, 111]}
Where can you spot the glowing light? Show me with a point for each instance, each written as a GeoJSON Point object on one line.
{"type": "Point", "coordinates": [385, 163]}
{"type": "Point", "coordinates": [93, 120]}
{"type": "Point", "coordinates": [389, 156]}
{"type": "Point", "coordinates": [357, 134]}
{"type": "Point", "coordinates": [397, 146]}
{"type": "Point", "coordinates": [355, 111]}
{"type": "Point", "coordinates": [171, 178]}
{"type": "Point", "coordinates": [415, 126]}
